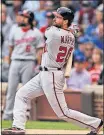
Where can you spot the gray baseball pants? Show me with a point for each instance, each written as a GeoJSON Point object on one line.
{"type": "Point", "coordinates": [18, 70]}
{"type": "Point", "coordinates": [51, 84]}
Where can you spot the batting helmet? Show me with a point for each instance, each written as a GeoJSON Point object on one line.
{"type": "Point", "coordinates": [29, 15]}
{"type": "Point", "coordinates": [66, 13]}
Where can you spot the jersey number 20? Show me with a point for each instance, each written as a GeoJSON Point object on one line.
{"type": "Point", "coordinates": [63, 55]}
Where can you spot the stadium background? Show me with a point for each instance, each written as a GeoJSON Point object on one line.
{"type": "Point", "coordinates": [88, 50]}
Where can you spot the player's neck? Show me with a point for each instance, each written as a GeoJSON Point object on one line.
{"type": "Point", "coordinates": [65, 27]}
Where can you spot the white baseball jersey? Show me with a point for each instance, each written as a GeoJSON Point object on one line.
{"type": "Point", "coordinates": [59, 45]}
{"type": "Point", "coordinates": [25, 43]}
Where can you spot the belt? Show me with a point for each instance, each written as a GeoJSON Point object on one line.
{"type": "Point", "coordinates": [24, 60]}
{"type": "Point", "coordinates": [48, 69]}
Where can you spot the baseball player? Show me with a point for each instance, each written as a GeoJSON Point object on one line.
{"type": "Point", "coordinates": [50, 81]}
{"type": "Point", "coordinates": [24, 41]}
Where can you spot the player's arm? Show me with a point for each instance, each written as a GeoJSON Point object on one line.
{"type": "Point", "coordinates": [39, 46]}
{"type": "Point", "coordinates": [68, 66]}
{"type": "Point", "coordinates": [39, 53]}
{"type": "Point", "coordinates": [11, 43]}
{"type": "Point", "coordinates": [10, 53]}
{"type": "Point", "coordinates": [74, 29]}
{"type": "Point", "coordinates": [69, 61]}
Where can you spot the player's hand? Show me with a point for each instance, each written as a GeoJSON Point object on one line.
{"type": "Point", "coordinates": [6, 59]}
{"type": "Point", "coordinates": [67, 77]}
{"type": "Point", "coordinates": [9, 61]}
{"type": "Point", "coordinates": [74, 28]}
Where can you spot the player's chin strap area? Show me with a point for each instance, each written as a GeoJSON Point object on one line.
{"type": "Point", "coordinates": [48, 69]}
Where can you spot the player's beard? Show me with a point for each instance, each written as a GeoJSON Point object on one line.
{"type": "Point", "coordinates": [23, 24]}
{"type": "Point", "coordinates": [57, 25]}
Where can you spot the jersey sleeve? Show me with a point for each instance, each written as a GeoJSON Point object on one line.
{"type": "Point", "coordinates": [40, 40]}
{"type": "Point", "coordinates": [49, 32]}
{"type": "Point", "coordinates": [11, 36]}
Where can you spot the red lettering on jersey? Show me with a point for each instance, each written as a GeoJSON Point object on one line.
{"type": "Point", "coordinates": [67, 40]}
{"type": "Point", "coordinates": [28, 48]}
{"type": "Point", "coordinates": [25, 40]}
{"type": "Point", "coordinates": [63, 54]}
{"type": "Point", "coordinates": [62, 39]}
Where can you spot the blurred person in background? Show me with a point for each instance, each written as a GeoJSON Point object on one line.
{"type": "Point", "coordinates": [97, 66]}
{"type": "Point", "coordinates": [98, 39]}
{"type": "Point", "coordinates": [49, 17]}
{"type": "Point", "coordinates": [23, 42]}
{"type": "Point", "coordinates": [89, 46]}
{"type": "Point", "coordinates": [5, 28]}
{"type": "Point", "coordinates": [70, 4]}
{"type": "Point", "coordinates": [6, 64]}
{"type": "Point", "coordinates": [4, 9]}
{"type": "Point", "coordinates": [19, 20]}
{"type": "Point", "coordinates": [96, 3]}
{"type": "Point", "coordinates": [79, 76]}
{"type": "Point", "coordinates": [98, 18]}
{"type": "Point", "coordinates": [31, 5]}
{"type": "Point", "coordinates": [85, 15]}
{"type": "Point", "coordinates": [101, 79]}
{"type": "Point", "coordinates": [49, 5]}
{"type": "Point", "coordinates": [81, 46]}
{"type": "Point", "coordinates": [65, 3]}
{"type": "Point", "coordinates": [56, 4]}
{"type": "Point", "coordinates": [40, 14]}
{"type": "Point", "coordinates": [6, 24]}
{"type": "Point", "coordinates": [7, 2]}
{"type": "Point", "coordinates": [88, 50]}
{"type": "Point", "coordinates": [15, 8]}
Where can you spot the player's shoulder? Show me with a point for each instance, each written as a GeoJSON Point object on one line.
{"type": "Point", "coordinates": [37, 32]}
{"type": "Point", "coordinates": [35, 29]}
{"type": "Point", "coordinates": [52, 31]}
{"type": "Point", "coordinates": [52, 28]}
{"type": "Point", "coordinates": [14, 28]}
{"type": "Point", "coordinates": [68, 32]}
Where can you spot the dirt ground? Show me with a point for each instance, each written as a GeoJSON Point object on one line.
{"type": "Point", "coordinates": [71, 132]}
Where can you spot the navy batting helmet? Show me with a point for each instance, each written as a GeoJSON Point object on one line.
{"type": "Point", "coordinates": [66, 13]}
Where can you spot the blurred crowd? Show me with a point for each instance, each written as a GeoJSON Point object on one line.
{"type": "Point", "coordinates": [88, 54]}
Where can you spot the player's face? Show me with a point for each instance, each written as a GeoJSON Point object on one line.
{"type": "Point", "coordinates": [24, 21]}
{"type": "Point", "coordinates": [58, 21]}
{"type": "Point", "coordinates": [19, 19]}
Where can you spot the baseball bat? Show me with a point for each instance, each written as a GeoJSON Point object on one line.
{"type": "Point", "coordinates": [68, 66]}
